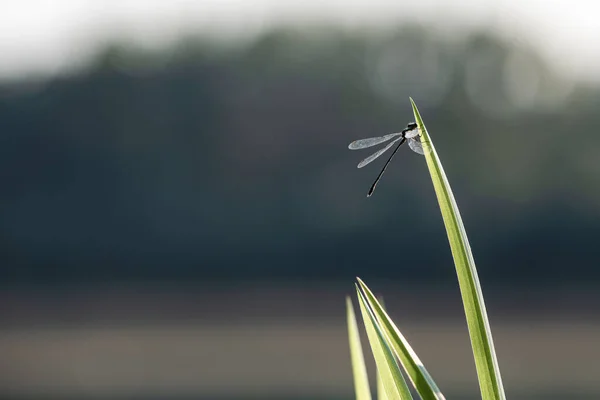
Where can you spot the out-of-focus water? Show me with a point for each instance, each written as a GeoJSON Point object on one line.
{"type": "Point", "coordinates": [286, 342]}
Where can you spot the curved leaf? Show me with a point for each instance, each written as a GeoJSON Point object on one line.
{"type": "Point", "coordinates": [359, 370]}
{"type": "Point", "coordinates": [416, 371]}
{"type": "Point", "coordinates": [391, 377]}
{"type": "Point", "coordinates": [490, 380]}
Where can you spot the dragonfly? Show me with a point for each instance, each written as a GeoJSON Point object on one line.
{"type": "Point", "coordinates": [409, 134]}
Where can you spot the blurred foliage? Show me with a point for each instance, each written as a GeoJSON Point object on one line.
{"type": "Point", "coordinates": [229, 161]}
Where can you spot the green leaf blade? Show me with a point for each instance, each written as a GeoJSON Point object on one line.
{"type": "Point", "coordinates": [416, 371]}
{"type": "Point", "coordinates": [391, 377]}
{"type": "Point", "coordinates": [359, 369]}
{"type": "Point", "coordinates": [490, 380]}
{"type": "Point", "coordinates": [380, 389]}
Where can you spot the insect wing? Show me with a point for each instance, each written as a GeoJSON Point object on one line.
{"type": "Point", "coordinates": [377, 154]}
{"type": "Point", "coordinates": [416, 146]}
{"type": "Point", "coordinates": [364, 143]}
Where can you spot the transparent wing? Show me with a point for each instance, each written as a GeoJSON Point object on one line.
{"type": "Point", "coordinates": [364, 143]}
{"type": "Point", "coordinates": [412, 133]}
{"type": "Point", "coordinates": [416, 146]}
{"type": "Point", "coordinates": [377, 154]}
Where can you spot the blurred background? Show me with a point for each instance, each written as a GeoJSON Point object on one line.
{"type": "Point", "coordinates": [181, 217]}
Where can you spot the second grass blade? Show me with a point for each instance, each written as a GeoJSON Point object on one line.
{"type": "Point", "coordinates": [391, 377]}
{"type": "Point", "coordinates": [416, 371]}
{"type": "Point", "coordinates": [359, 370]}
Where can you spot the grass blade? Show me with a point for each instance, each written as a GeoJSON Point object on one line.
{"type": "Point", "coordinates": [387, 368]}
{"type": "Point", "coordinates": [419, 377]}
{"type": "Point", "coordinates": [488, 372]}
{"type": "Point", "coordinates": [380, 389]}
{"type": "Point", "coordinates": [359, 370]}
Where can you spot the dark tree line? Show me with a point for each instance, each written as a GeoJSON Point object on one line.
{"type": "Point", "coordinates": [211, 161]}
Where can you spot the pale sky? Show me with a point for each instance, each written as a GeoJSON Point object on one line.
{"type": "Point", "coordinates": [47, 36]}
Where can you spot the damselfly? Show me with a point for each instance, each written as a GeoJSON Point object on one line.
{"type": "Point", "coordinates": [410, 134]}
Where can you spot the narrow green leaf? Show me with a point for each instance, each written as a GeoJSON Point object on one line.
{"type": "Point", "coordinates": [416, 371]}
{"type": "Point", "coordinates": [391, 377]}
{"type": "Point", "coordinates": [380, 390]}
{"type": "Point", "coordinates": [490, 381]}
{"type": "Point", "coordinates": [359, 370]}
